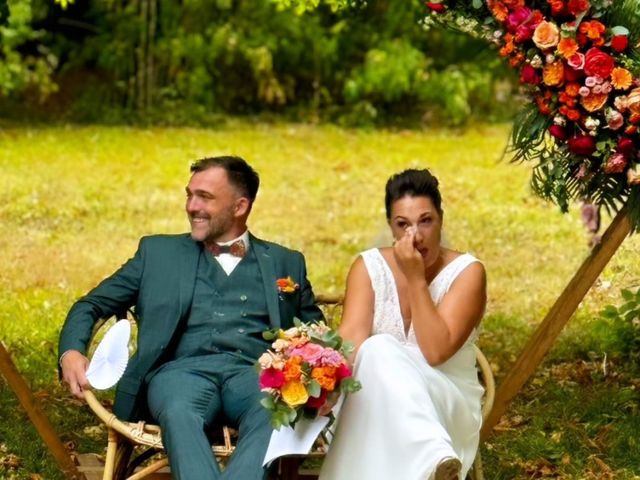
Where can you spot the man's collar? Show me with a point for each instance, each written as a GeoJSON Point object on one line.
{"type": "Point", "coordinates": [245, 238]}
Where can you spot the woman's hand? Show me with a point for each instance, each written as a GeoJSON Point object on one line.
{"type": "Point", "coordinates": [408, 257]}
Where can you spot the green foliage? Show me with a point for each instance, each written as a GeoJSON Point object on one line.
{"type": "Point", "coordinates": [618, 326]}
{"type": "Point", "coordinates": [21, 68]}
{"type": "Point", "coordinates": [172, 62]}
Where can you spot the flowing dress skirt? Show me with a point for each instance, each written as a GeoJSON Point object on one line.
{"type": "Point", "coordinates": [408, 415]}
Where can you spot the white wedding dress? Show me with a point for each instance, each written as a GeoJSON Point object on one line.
{"type": "Point", "coordinates": [408, 416]}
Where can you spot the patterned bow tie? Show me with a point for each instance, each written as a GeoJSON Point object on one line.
{"type": "Point", "coordinates": [237, 248]}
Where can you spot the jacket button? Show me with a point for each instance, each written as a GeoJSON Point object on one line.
{"type": "Point", "coordinates": [243, 298]}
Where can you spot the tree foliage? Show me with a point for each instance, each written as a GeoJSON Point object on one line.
{"type": "Point", "coordinates": [175, 61]}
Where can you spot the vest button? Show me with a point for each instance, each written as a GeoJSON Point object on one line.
{"type": "Point", "coordinates": [244, 314]}
{"type": "Point", "coordinates": [243, 298]}
{"type": "Point", "coordinates": [241, 330]}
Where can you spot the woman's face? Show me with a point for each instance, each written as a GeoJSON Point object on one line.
{"type": "Point", "coordinates": [419, 215]}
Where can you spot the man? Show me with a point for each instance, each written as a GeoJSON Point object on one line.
{"type": "Point", "coordinates": [202, 301]}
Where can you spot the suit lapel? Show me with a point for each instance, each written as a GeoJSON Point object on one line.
{"type": "Point", "coordinates": [266, 264]}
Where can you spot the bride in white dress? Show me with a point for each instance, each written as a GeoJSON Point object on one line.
{"type": "Point", "coordinates": [412, 311]}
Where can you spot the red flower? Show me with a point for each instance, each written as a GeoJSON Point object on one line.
{"type": "Point", "coordinates": [619, 43]}
{"type": "Point", "coordinates": [578, 6]}
{"type": "Point", "coordinates": [318, 402]}
{"type": "Point", "coordinates": [530, 75]}
{"type": "Point", "coordinates": [436, 6]}
{"type": "Point", "coordinates": [626, 146]}
{"type": "Point", "coordinates": [271, 378]}
{"type": "Point", "coordinates": [558, 132]}
{"type": "Point", "coordinates": [582, 145]}
{"type": "Point", "coordinates": [598, 63]}
{"type": "Point", "coordinates": [343, 371]}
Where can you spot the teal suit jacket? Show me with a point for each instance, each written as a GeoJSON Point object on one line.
{"type": "Point", "coordinates": [159, 282]}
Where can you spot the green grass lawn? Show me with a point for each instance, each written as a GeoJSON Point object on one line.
{"type": "Point", "coordinates": [75, 201]}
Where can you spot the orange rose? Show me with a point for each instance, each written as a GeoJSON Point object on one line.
{"type": "Point", "coordinates": [546, 35]}
{"type": "Point", "coordinates": [594, 101]}
{"type": "Point", "coordinates": [553, 74]}
{"type": "Point", "coordinates": [621, 78]}
{"type": "Point", "coordinates": [292, 369]}
{"type": "Point", "coordinates": [567, 47]}
{"type": "Point", "coordinates": [325, 376]}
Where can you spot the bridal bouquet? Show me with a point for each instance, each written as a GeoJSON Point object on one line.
{"type": "Point", "coordinates": [305, 368]}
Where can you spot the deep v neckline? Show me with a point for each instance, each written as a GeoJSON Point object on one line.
{"type": "Point", "coordinates": [396, 296]}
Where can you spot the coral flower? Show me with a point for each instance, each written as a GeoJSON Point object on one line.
{"type": "Point", "coordinates": [553, 74]}
{"type": "Point", "coordinates": [621, 78]}
{"type": "Point", "coordinates": [293, 369]}
{"type": "Point", "coordinates": [594, 102]}
{"type": "Point", "coordinates": [592, 29]}
{"type": "Point", "coordinates": [567, 47]}
{"type": "Point", "coordinates": [546, 35]}
{"type": "Point", "coordinates": [325, 376]}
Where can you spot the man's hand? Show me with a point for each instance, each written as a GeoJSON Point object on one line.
{"type": "Point", "coordinates": [74, 366]}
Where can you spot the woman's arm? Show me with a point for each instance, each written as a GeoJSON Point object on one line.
{"type": "Point", "coordinates": [357, 312]}
{"type": "Point", "coordinates": [441, 330]}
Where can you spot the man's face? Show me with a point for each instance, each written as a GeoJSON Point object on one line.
{"type": "Point", "coordinates": [212, 205]}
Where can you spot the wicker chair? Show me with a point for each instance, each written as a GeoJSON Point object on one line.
{"type": "Point", "coordinates": [126, 437]}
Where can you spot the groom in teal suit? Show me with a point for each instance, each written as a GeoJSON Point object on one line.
{"type": "Point", "coordinates": [202, 300]}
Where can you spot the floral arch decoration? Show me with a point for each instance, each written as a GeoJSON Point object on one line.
{"type": "Point", "coordinates": [579, 62]}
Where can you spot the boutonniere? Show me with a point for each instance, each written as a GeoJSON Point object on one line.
{"type": "Point", "coordinates": [286, 285]}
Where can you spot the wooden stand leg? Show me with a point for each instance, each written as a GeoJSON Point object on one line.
{"type": "Point", "coordinates": [36, 415]}
{"type": "Point", "coordinates": [562, 310]}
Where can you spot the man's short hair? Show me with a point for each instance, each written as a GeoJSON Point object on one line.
{"type": "Point", "coordinates": [241, 175]}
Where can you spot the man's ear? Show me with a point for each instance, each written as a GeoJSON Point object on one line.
{"type": "Point", "coordinates": [242, 207]}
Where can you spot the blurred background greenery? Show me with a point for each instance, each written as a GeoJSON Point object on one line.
{"type": "Point", "coordinates": [104, 104]}
{"type": "Point", "coordinates": [189, 61]}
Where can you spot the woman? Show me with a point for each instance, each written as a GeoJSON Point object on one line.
{"type": "Point", "coordinates": [411, 311]}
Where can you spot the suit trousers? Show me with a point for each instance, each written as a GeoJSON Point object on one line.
{"type": "Point", "coordinates": [189, 396]}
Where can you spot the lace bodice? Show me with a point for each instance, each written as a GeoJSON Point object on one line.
{"type": "Point", "coordinates": [387, 316]}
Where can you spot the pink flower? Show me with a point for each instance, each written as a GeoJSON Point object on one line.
{"type": "Point", "coordinates": [523, 33]}
{"type": "Point", "coordinates": [331, 358]}
{"type": "Point", "coordinates": [271, 378]}
{"type": "Point", "coordinates": [614, 119]}
{"type": "Point", "coordinates": [311, 353]}
{"type": "Point", "coordinates": [616, 163]}
{"type": "Point", "coordinates": [517, 18]}
{"type": "Point", "coordinates": [576, 61]}
{"type": "Point", "coordinates": [584, 91]}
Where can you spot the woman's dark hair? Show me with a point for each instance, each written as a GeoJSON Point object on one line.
{"type": "Point", "coordinates": [413, 183]}
{"type": "Point", "coordinates": [241, 175]}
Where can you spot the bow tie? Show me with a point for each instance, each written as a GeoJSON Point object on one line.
{"type": "Point", "coordinates": [237, 248]}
